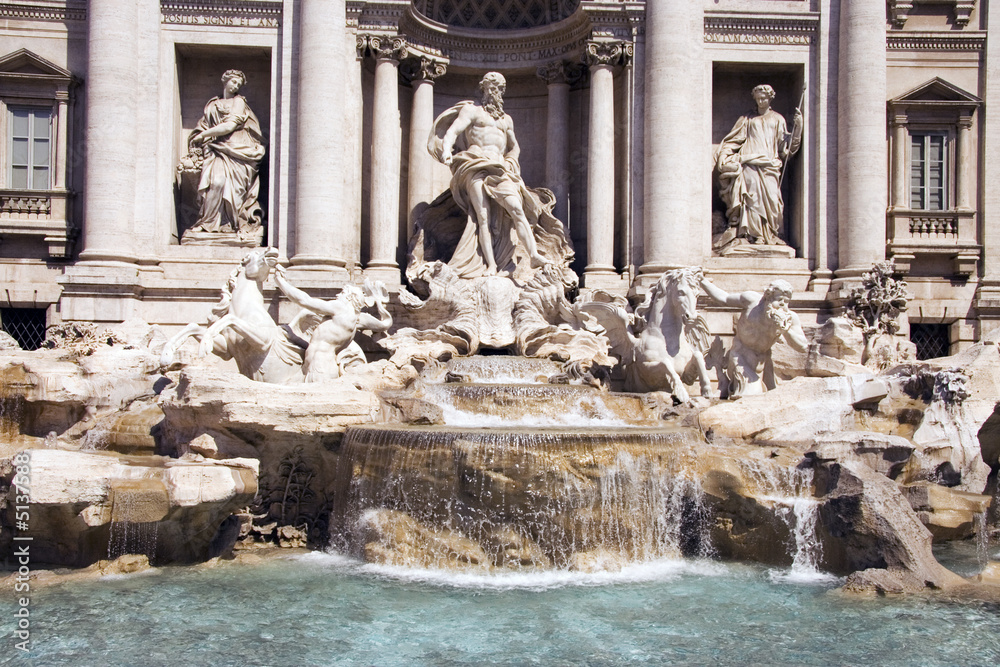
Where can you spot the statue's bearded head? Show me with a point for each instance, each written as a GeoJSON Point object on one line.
{"type": "Point", "coordinates": [776, 296]}
{"type": "Point", "coordinates": [493, 85]}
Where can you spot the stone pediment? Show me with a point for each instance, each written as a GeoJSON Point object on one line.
{"type": "Point", "coordinates": [936, 92]}
{"type": "Point", "coordinates": [26, 63]}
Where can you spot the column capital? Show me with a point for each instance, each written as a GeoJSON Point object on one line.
{"type": "Point", "coordinates": [423, 68]}
{"type": "Point", "coordinates": [900, 120]}
{"type": "Point", "coordinates": [561, 72]}
{"type": "Point", "coordinates": [608, 54]}
{"type": "Point", "coordinates": [382, 47]}
{"type": "Point", "coordinates": [965, 121]}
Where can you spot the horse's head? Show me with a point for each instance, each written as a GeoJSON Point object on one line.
{"type": "Point", "coordinates": [680, 288]}
{"type": "Point", "coordinates": [258, 263]}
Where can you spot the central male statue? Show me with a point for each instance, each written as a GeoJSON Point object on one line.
{"type": "Point", "coordinates": [503, 214]}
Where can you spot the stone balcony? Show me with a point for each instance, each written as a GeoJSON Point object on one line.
{"type": "Point", "coordinates": [914, 235]}
{"type": "Point", "coordinates": [43, 214]}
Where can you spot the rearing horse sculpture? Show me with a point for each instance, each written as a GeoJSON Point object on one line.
{"type": "Point", "coordinates": [662, 346]}
{"type": "Point", "coordinates": [240, 327]}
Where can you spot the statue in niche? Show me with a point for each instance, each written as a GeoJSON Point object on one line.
{"type": "Point", "coordinates": [489, 263]}
{"type": "Point", "coordinates": [502, 227]}
{"type": "Point", "coordinates": [747, 368]}
{"type": "Point", "coordinates": [751, 162]}
{"type": "Point", "coordinates": [225, 150]}
{"type": "Point", "coordinates": [330, 326]}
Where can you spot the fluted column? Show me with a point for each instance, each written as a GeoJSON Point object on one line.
{"type": "Point", "coordinates": [861, 141]}
{"type": "Point", "coordinates": [420, 175]}
{"type": "Point", "coordinates": [320, 225]}
{"type": "Point", "coordinates": [675, 227]}
{"type": "Point", "coordinates": [558, 76]}
{"type": "Point", "coordinates": [386, 144]}
{"type": "Point", "coordinates": [602, 58]}
{"type": "Point", "coordinates": [111, 131]}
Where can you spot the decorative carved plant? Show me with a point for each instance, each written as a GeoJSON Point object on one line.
{"type": "Point", "coordinates": [875, 306]}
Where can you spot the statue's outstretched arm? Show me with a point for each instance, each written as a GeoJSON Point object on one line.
{"type": "Point", "coordinates": [720, 296]}
{"type": "Point", "coordinates": [795, 336]}
{"type": "Point", "coordinates": [317, 306]}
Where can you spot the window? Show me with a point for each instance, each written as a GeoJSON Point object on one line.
{"type": "Point", "coordinates": [928, 171]}
{"type": "Point", "coordinates": [932, 340]}
{"type": "Point", "coordinates": [30, 148]}
{"type": "Point", "coordinates": [25, 325]}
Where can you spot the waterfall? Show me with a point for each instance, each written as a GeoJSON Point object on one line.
{"type": "Point", "coordinates": [790, 491]}
{"type": "Point", "coordinates": [982, 532]}
{"type": "Point", "coordinates": [137, 506]}
{"type": "Point", "coordinates": [539, 497]}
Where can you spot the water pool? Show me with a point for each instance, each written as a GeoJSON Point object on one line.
{"type": "Point", "coordinates": [319, 609]}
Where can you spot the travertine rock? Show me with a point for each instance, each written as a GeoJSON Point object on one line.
{"type": "Point", "coordinates": [949, 514]}
{"type": "Point", "coordinates": [867, 527]}
{"type": "Point", "coordinates": [75, 496]}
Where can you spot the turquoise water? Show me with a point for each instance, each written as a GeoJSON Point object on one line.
{"type": "Point", "coordinates": [319, 609]}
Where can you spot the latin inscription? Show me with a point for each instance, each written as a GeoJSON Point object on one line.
{"type": "Point", "coordinates": [221, 21]}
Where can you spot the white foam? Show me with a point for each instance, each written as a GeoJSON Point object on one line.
{"type": "Point", "coordinates": [802, 577]}
{"type": "Point", "coordinates": [535, 580]}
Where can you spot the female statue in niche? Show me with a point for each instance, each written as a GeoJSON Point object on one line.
{"type": "Point", "coordinates": [226, 147]}
{"type": "Point", "coordinates": [751, 161]}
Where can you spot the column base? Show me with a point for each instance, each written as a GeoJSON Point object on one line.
{"type": "Point", "coordinates": [103, 257]}
{"type": "Point", "coordinates": [387, 273]}
{"type": "Point", "coordinates": [305, 260]}
{"type": "Point", "coordinates": [605, 279]}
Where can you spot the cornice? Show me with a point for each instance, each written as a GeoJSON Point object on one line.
{"type": "Point", "coordinates": [967, 40]}
{"type": "Point", "coordinates": [44, 11]}
{"type": "Point", "coordinates": [768, 29]}
{"type": "Point", "coordinates": [223, 13]}
{"type": "Point", "coordinates": [615, 20]}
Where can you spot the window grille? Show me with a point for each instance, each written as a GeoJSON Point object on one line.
{"type": "Point", "coordinates": [932, 340]}
{"type": "Point", "coordinates": [25, 325]}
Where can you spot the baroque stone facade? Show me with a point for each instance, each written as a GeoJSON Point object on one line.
{"type": "Point", "coordinates": [620, 110]}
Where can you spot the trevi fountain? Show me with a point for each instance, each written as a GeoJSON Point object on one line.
{"type": "Point", "coordinates": [496, 464]}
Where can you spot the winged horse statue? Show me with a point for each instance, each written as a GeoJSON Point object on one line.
{"type": "Point", "coordinates": [662, 345]}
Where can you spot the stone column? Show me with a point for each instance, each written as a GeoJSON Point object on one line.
{"type": "Point", "coordinates": [557, 76]}
{"type": "Point", "coordinates": [861, 177]}
{"type": "Point", "coordinates": [900, 168]}
{"type": "Point", "coordinates": [111, 132]}
{"type": "Point", "coordinates": [988, 201]}
{"type": "Point", "coordinates": [602, 58]}
{"type": "Point", "coordinates": [963, 176]}
{"type": "Point", "coordinates": [420, 176]}
{"type": "Point", "coordinates": [320, 239]}
{"type": "Point", "coordinates": [386, 145]}
{"type": "Point", "coordinates": [62, 133]}
{"type": "Point", "coordinates": [675, 229]}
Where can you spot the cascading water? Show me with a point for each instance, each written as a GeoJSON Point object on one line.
{"type": "Point", "coordinates": [513, 498]}
{"type": "Point", "coordinates": [982, 532]}
{"type": "Point", "coordinates": [560, 476]}
{"type": "Point", "coordinates": [790, 490]}
{"type": "Point", "coordinates": [136, 509]}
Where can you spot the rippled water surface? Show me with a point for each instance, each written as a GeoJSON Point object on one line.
{"type": "Point", "coordinates": [319, 609]}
